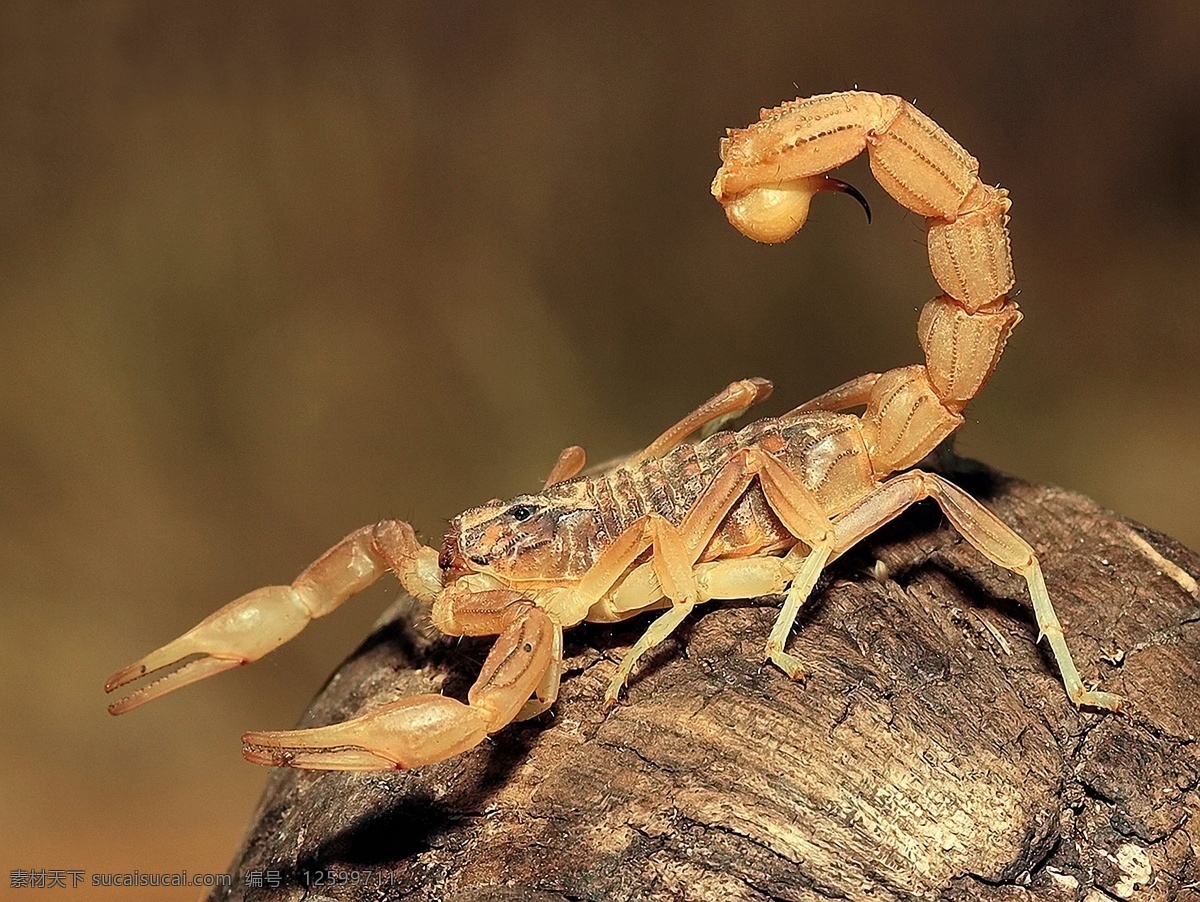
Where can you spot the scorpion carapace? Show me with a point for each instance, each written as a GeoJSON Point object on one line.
{"type": "Point", "coordinates": [735, 514]}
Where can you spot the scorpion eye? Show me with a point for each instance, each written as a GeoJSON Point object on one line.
{"type": "Point", "coordinates": [521, 512]}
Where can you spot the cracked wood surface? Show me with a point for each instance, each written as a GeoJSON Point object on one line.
{"type": "Point", "coordinates": [931, 754]}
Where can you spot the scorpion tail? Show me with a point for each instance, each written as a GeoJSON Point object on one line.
{"type": "Point", "coordinates": [774, 212]}
{"type": "Point", "coordinates": [770, 172]}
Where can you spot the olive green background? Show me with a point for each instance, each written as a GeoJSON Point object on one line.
{"type": "Point", "coordinates": [272, 271]}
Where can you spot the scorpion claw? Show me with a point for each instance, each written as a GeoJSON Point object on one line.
{"type": "Point", "coordinates": [242, 631]}
{"type": "Point", "coordinates": [413, 731]}
{"type": "Point", "coordinates": [292, 749]}
{"type": "Point", "coordinates": [190, 671]}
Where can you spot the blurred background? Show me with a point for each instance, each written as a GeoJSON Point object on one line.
{"type": "Point", "coordinates": [272, 271]}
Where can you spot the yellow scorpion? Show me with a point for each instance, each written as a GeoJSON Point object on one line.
{"type": "Point", "coordinates": [736, 514]}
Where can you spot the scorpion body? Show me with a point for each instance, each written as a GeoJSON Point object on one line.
{"type": "Point", "coordinates": [827, 450]}
{"type": "Point", "coordinates": [735, 514]}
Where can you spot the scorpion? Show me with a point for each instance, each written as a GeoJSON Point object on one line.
{"type": "Point", "coordinates": [703, 512]}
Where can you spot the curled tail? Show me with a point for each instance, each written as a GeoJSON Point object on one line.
{"type": "Point", "coordinates": [769, 174]}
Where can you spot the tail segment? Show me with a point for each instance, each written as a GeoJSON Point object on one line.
{"type": "Point", "coordinates": [771, 170]}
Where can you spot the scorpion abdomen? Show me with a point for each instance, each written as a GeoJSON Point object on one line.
{"type": "Point", "coordinates": [827, 450]}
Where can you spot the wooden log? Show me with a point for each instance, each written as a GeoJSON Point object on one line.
{"type": "Point", "coordinates": [932, 753]}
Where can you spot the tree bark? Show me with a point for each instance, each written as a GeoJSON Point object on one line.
{"type": "Point", "coordinates": [932, 752]}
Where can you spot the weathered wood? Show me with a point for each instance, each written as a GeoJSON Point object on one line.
{"type": "Point", "coordinates": [932, 752]}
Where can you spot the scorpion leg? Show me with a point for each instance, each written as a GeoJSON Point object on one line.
{"type": "Point", "coordinates": [570, 464]}
{"type": "Point", "coordinates": [797, 509]}
{"type": "Point", "coordinates": [803, 516]}
{"type": "Point", "coordinates": [739, 577]}
{"type": "Point", "coordinates": [674, 556]}
{"type": "Point", "coordinates": [425, 728]}
{"type": "Point", "coordinates": [671, 560]}
{"type": "Point", "coordinates": [854, 393]}
{"type": "Point", "coordinates": [260, 621]}
{"type": "Point", "coordinates": [990, 536]}
{"type": "Point", "coordinates": [711, 415]}
{"type": "Point", "coordinates": [657, 632]}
